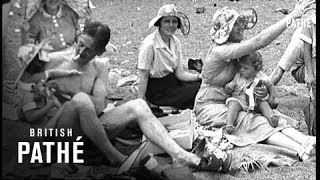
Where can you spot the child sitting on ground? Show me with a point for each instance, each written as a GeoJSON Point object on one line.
{"type": "Point", "coordinates": [241, 88]}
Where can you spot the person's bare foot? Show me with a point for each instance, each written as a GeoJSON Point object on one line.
{"type": "Point", "coordinates": [190, 160]}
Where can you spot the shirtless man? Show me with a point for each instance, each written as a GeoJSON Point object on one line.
{"type": "Point", "coordinates": [88, 92]}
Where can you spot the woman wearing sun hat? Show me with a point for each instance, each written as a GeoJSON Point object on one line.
{"type": "Point", "coordinates": [221, 65]}
{"type": "Point", "coordinates": [50, 19]}
{"type": "Point", "coordinates": [163, 81]}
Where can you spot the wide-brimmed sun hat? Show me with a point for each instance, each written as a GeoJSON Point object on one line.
{"type": "Point", "coordinates": [224, 20]}
{"type": "Point", "coordinates": [81, 7]}
{"type": "Point", "coordinates": [171, 10]}
{"type": "Point", "coordinates": [27, 53]}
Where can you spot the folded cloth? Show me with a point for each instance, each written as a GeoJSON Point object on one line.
{"type": "Point", "coordinates": [263, 156]}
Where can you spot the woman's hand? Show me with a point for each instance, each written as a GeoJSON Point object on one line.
{"type": "Point", "coordinates": [260, 92]}
{"type": "Point", "coordinates": [302, 7]}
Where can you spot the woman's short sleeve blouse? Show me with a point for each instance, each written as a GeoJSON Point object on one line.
{"type": "Point", "coordinates": [155, 55]}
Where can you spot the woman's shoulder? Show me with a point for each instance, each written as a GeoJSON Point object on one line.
{"type": "Point", "coordinates": [38, 16]}
{"type": "Point", "coordinates": [68, 11]}
{"type": "Point", "coordinates": [149, 40]}
{"type": "Point", "coordinates": [215, 52]}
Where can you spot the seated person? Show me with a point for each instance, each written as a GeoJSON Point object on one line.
{"type": "Point", "coordinates": [308, 36]}
{"type": "Point", "coordinates": [38, 103]}
{"type": "Point", "coordinates": [301, 47]}
{"type": "Point", "coordinates": [53, 20]}
{"type": "Point", "coordinates": [163, 81]}
{"type": "Point", "coordinates": [220, 66]}
{"type": "Point", "coordinates": [59, 21]}
{"type": "Point", "coordinates": [84, 111]}
{"type": "Point", "coordinates": [301, 53]}
{"type": "Point", "coordinates": [250, 74]}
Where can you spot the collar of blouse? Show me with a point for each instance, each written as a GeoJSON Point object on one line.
{"type": "Point", "coordinates": [159, 43]}
{"type": "Point", "coordinates": [47, 15]}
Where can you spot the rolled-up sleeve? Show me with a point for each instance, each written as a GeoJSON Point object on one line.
{"type": "Point", "coordinates": [306, 34]}
{"type": "Point", "coordinates": [146, 56]}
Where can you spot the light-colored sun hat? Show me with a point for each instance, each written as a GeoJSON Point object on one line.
{"type": "Point", "coordinates": [224, 20]}
{"type": "Point", "coordinates": [81, 7]}
{"type": "Point", "coordinates": [171, 10]}
{"type": "Point", "coordinates": [27, 53]}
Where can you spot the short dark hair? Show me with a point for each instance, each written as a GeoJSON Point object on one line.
{"type": "Point", "coordinates": [158, 23]}
{"type": "Point", "coordinates": [100, 34]}
{"type": "Point", "coordinates": [254, 58]}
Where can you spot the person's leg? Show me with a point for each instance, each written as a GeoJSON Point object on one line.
{"type": "Point", "coordinates": [268, 113]}
{"type": "Point", "coordinates": [308, 142]}
{"type": "Point", "coordinates": [170, 91]}
{"type": "Point", "coordinates": [295, 135]}
{"type": "Point", "coordinates": [188, 92]}
{"type": "Point", "coordinates": [234, 108]}
{"type": "Point", "coordinates": [138, 111]}
{"type": "Point", "coordinates": [313, 93]}
{"type": "Point", "coordinates": [79, 114]}
{"type": "Point", "coordinates": [279, 139]}
{"type": "Point", "coordinates": [293, 52]}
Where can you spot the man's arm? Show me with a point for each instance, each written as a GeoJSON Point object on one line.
{"type": "Point", "coordinates": [309, 78]}
{"type": "Point", "coordinates": [99, 91]}
{"type": "Point", "coordinates": [99, 94]}
{"type": "Point", "coordinates": [53, 73]}
{"type": "Point", "coordinates": [271, 89]}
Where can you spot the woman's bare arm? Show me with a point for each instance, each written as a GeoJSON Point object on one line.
{"type": "Point", "coordinates": [265, 37]}
{"type": "Point", "coordinates": [143, 83]}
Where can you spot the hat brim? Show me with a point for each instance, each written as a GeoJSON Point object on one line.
{"type": "Point", "coordinates": [185, 23]}
{"type": "Point", "coordinates": [221, 36]}
{"type": "Point", "coordinates": [32, 7]}
{"type": "Point", "coordinates": [248, 18]}
{"type": "Point", "coordinates": [81, 7]}
{"type": "Point", "coordinates": [30, 59]}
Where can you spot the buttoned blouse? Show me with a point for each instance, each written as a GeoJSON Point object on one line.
{"type": "Point", "coordinates": [60, 28]}
{"type": "Point", "coordinates": [155, 55]}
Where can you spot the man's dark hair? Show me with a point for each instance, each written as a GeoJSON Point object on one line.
{"type": "Point", "coordinates": [100, 34]}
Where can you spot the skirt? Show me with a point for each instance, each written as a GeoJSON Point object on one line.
{"type": "Point", "coordinates": [170, 91]}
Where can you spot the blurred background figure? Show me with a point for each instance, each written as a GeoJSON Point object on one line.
{"type": "Point", "coordinates": [5, 13]}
